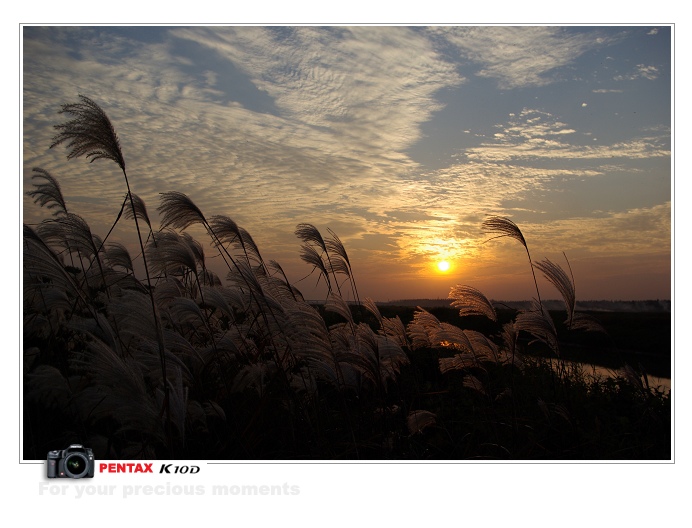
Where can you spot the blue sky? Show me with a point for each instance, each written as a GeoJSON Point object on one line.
{"type": "Point", "coordinates": [400, 139]}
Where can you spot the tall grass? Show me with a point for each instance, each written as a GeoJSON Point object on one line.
{"type": "Point", "coordinates": [91, 134]}
{"type": "Point", "coordinates": [181, 362]}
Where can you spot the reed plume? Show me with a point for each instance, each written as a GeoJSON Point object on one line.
{"type": "Point", "coordinates": [341, 262]}
{"type": "Point", "coordinates": [539, 324]}
{"type": "Point", "coordinates": [312, 238]}
{"type": "Point", "coordinates": [92, 135]}
{"type": "Point", "coordinates": [471, 301]}
{"type": "Point", "coordinates": [179, 211]}
{"type": "Point", "coordinates": [47, 193]}
{"type": "Point", "coordinates": [564, 284]}
{"type": "Point", "coordinates": [89, 134]}
{"type": "Point", "coordinates": [504, 227]}
{"type": "Point", "coordinates": [139, 210]}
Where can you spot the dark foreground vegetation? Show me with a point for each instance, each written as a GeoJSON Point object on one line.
{"type": "Point", "coordinates": [177, 362]}
{"type": "Point", "coordinates": [639, 338]}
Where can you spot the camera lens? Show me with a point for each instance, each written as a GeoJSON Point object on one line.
{"type": "Point", "coordinates": [76, 465]}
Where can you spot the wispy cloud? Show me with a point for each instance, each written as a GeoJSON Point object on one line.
{"type": "Point", "coordinates": [348, 103]}
{"type": "Point", "coordinates": [361, 90]}
{"type": "Point", "coordinates": [274, 126]}
{"type": "Point", "coordinates": [538, 135]}
{"type": "Point", "coordinates": [642, 71]}
{"type": "Point", "coordinates": [628, 232]}
{"type": "Point", "coordinates": [520, 56]}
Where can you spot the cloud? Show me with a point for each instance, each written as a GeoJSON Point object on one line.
{"type": "Point", "coordinates": [642, 71]}
{"type": "Point", "coordinates": [520, 56]}
{"type": "Point", "coordinates": [647, 72]}
{"type": "Point", "coordinates": [644, 230]}
{"type": "Point", "coordinates": [361, 89]}
{"type": "Point", "coordinates": [538, 135]}
{"type": "Point", "coordinates": [341, 107]}
{"type": "Point", "coordinates": [274, 126]}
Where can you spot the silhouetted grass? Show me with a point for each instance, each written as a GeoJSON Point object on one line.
{"type": "Point", "coordinates": [183, 363]}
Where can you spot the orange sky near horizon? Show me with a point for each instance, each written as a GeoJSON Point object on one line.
{"type": "Point", "coordinates": [402, 140]}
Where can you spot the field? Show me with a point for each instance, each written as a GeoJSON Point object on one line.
{"type": "Point", "coordinates": [641, 338]}
{"type": "Point", "coordinates": [526, 413]}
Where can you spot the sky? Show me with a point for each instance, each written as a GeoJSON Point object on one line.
{"type": "Point", "coordinates": [401, 139]}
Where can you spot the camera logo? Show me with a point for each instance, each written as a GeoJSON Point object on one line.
{"type": "Point", "coordinates": [74, 462]}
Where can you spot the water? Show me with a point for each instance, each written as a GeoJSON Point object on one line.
{"type": "Point", "coordinates": [662, 383]}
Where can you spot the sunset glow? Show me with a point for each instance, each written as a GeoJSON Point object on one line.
{"type": "Point", "coordinates": [402, 140]}
{"type": "Point", "coordinates": [443, 266]}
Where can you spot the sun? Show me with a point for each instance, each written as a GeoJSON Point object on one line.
{"type": "Point", "coordinates": [443, 266]}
